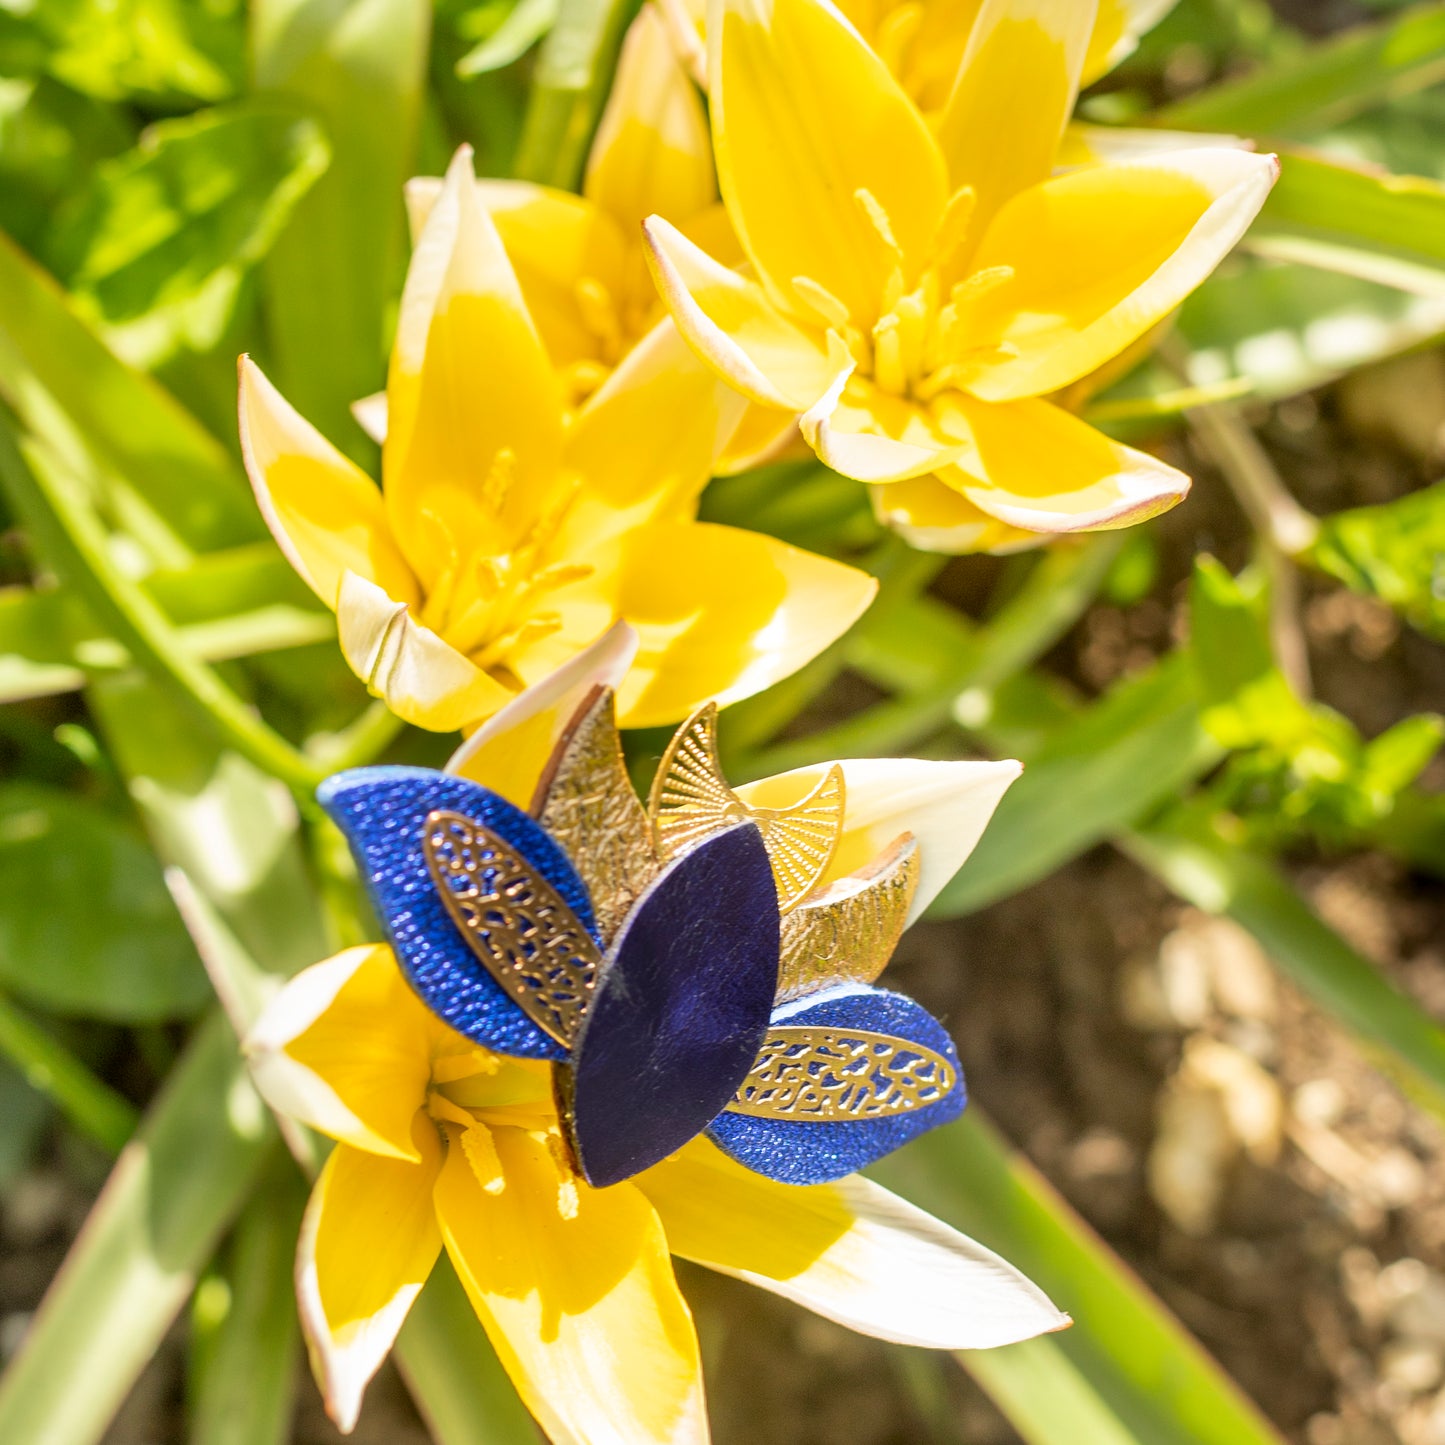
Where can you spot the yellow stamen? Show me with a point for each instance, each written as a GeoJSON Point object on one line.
{"type": "Point", "coordinates": [819, 300]}
{"type": "Point", "coordinates": [878, 219]}
{"type": "Point", "coordinates": [481, 1153]}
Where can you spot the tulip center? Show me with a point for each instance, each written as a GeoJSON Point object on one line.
{"type": "Point", "coordinates": [614, 323]}
{"type": "Point", "coordinates": [488, 604]}
{"type": "Point", "coordinates": [927, 336]}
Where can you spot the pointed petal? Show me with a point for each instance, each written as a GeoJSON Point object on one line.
{"type": "Point", "coordinates": [730, 322]}
{"type": "Point", "coordinates": [1018, 82]}
{"type": "Point", "coordinates": [420, 677]}
{"type": "Point", "coordinates": [1035, 466]}
{"type": "Point", "coordinates": [368, 1242]}
{"type": "Point", "coordinates": [652, 151]}
{"type": "Point", "coordinates": [934, 517]}
{"type": "Point", "coordinates": [1117, 31]}
{"type": "Point", "coordinates": [510, 750]}
{"type": "Point", "coordinates": [1182, 213]}
{"type": "Point", "coordinates": [344, 1047]}
{"type": "Point", "coordinates": [686, 22]}
{"type": "Point", "coordinates": [804, 116]}
{"type": "Point", "coordinates": [576, 1292]}
{"type": "Point", "coordinates": [324, 511]}
{"type": "Point", "coordinates": [469, 380]}
{"type": "Point", "coordinates": [849, 1251]}
{"type": "Point", "coordinates": [945, 805]}
{"type": "Point", "coordinates": [723, 613]}
{"type": "Point", "coordinates": [872, 436]}
{"type": "Point", "coordinates": [645, 443]}
{"type": "Point", "coordinates": [369, 413]}
{"type": "Point", "coordinates": [1092, 145]}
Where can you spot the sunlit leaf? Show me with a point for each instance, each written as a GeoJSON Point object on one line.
{"type": "Point", "coordinates": [156, 247]}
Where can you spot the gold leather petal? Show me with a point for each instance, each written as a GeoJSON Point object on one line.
{"type": "Point", "coordinates": [846, 932]}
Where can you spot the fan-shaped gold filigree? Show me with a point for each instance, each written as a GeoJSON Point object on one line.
{"type": "Point", "coordinates": [691, 800]}
{"type": "Point", "coordinates": [827, 1075]}
{"type": "Point", "coordinates": [515, 922]}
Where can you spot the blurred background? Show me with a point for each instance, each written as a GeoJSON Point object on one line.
{"type": "Point", "coordinates": [1197, 969]}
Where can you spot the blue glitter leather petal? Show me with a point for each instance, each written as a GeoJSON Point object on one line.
{"type": "Point", "coordinates": [680, 1010]}
{"type": "Point", "coordinates": [382, 811]}
{"type": "Point", "coordinates": [808, 1152]}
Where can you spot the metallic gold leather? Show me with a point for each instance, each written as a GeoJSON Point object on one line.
{"type": "Point", "coordinates": [846, 932]}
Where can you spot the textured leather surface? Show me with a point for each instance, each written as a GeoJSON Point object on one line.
{"type": "Point", "coordinates": [382, 812]}
{"type": "Point", "coordinates": [811, 1152]}
{"type": "Point", "coordinates": [681, 1008]}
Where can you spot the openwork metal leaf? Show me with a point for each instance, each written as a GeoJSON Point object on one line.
{"type": "Point", "coordinates": [691, 800]}
{"type": "Point", "coordinates": [832, 1075]}
{"type": "Point", "coordinates": [515, 922]}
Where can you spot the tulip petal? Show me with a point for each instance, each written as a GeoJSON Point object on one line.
{"type": "Point", "coordinates": [326, 514]}
{"type": "Point", "coordinates": [686, 22]}
{"type": "Point", "coordinates": [1117, 30]}
{"type": "Point", "coordinates": [509, 751]}
{"type": "Point", "coordinates": [652, 151]}
{"type": "Point", "coordinates": [945, 805]}
{"type": "Point", "coordinates": [1060, 319]}
{"type": "Point", "coordinates": [849, 1251]}
{"type": "Point", "coordinates": [645, 443]}
{"type": "Point", "coordinates": [872, 436]}
{"type": "Point", "coordinates": [369, 413]}
{"type": "Point", "coordinates": [368, 1242]}
{"type": "Point", "coordinates": [1014, 94]}
{"type": "Point", "coordinates": [470, 394]}
{"type": "Point", "coordinates": [1035, 466]}
{"type": "Point", "coordinates": [575, 1289]}
{"type": "Point", "coordinates": [723, 613]}
{"type": "Point", "coordinates": [345, 1048]}
{"type": "Point", "coordinates": [805, 116]}
{"type": "Point", "coordinates": [730, 322]}
{"type": "Point", "coordinates": [418, 675]}
{"type": "Point", "coordinates": [934, 517]}
{"type": "Point", "coordinates": [1092, 145]}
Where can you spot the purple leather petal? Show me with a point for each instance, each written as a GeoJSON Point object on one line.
{"type": "Point", "coordinates": [680, 1010]}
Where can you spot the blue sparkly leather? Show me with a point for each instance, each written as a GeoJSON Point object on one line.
{"type": "Point", "coordinates": [681, 1008]}
{"type": "Point", "coordinates": [382, 811]}
{"type": "Point", "coordinates": [811, 1152]}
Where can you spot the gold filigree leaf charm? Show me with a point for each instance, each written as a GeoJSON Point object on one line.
{"type": "Point", "coordinates": [846, 932]}
{"type": "Point", "coordinates": [833, 1075]}
{"type": "Point", "coordinates": [691, 801]}
{"type": "Point", "coordinates": [515, 922]}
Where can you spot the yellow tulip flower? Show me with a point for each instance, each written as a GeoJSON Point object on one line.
{"type": "Point", "coordinates": [509, 533]}
{"type": "Point", "coordinates": [916, 291]}
{"type": "Point", "coordinates": [445, 1145]}
{"type": "Point", "coordinates": [580, 260]}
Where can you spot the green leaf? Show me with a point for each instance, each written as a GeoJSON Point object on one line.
{"type": "Point", "coordinates": [454, 1374]}
{"type": "Point", "coordinates": [570, 88]}
{"type": "Point", "coordinates": [1116, 762]}
{"type": "Point", "coordinates": [86, 925]}
{"type": "Point", "coordinates": [169, 1199]}
{"type": "Point", "coordinates": [50, 139]}
{"type": "Point", "coordinates": [1395, 552]}
{"type": "Point", "coordinates": [246, 1391]}
{"type": "Point", "coordinates": [156, 248]}
{"type": "Point", "coordinates": [359, 69]}
{"type": "Point", "coordinates": [1289, 327]}
{"type": "Point", "coordinates": [67, 387]}
{"type": "Point", "coordinates": [1213, 872]}
{"type": "Point", "coordinates": [1326, 83]}
{"type": "Point", "coordinates": [1364, 223]}
{"type": "Point", "coordinates": [164, 51]}
{"type": "Point", "coordinates": [51, 1071]}
{"type": "Point", "coordinates": [1127, 1373]}
{"type": "Point", "coordinates": [526, 23]}
{"type": "Point", "coordinates": [25, 1111]}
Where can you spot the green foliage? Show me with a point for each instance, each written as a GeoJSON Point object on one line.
{"type": "Point", "coordinates": [156, 246]}
{"type": "Point", "coordinates": [1394, 552]}
{"type": "Point", "coordinates": [86, 925]}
